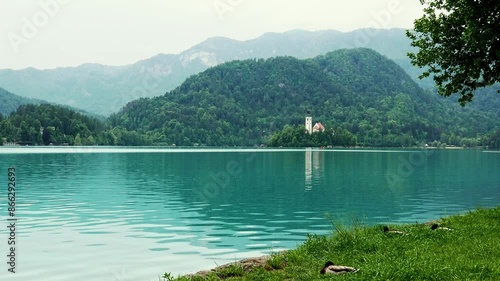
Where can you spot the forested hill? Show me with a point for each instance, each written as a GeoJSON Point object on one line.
{"type": "Point", "coordinates": [48, 124]}
{"type": "Point", "coordinates": [9, 102]}
{"type": "Point", "coordinates": [245, 102]}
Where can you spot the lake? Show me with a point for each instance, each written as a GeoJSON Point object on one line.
{"type": "Point", "coordinates": [135, 213]}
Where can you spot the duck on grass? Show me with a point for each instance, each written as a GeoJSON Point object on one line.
{"type": "Point", "coordinates": [470, 252]}
{"type": "Point", "coordinates": [331, 268]}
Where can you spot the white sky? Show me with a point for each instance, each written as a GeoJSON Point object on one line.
{"type": "Point", "coordinates": [52, 33]}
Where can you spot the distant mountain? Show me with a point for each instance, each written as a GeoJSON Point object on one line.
{"type": "Point", "coordinates": [105, 89]}
{"type": "Point", "coordinates": [9, 102]}
{"type": "Point", "coordinates": [96, 88]}
{"type": "Point", "coordinates": [245, 102]}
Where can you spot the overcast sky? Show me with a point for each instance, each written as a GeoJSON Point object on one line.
{"type": "Point", "coordinates": [52, 33]}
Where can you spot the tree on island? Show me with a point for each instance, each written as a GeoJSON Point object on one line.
{"type": "Point", "coordinates": [458, 43]}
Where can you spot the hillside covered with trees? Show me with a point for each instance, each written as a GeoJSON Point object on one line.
{"type": "Point", "coordinates": [362, 96]}
{"type": "Point", "coordinates": [47, 124]}
{"type": "Point", "coordinates": [9, 102]}
{"type": "Point", "coordinates": [358, 90]}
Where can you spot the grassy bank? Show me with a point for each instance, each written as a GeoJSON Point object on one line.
{"type": "Point", "coordinates": [471, 251]}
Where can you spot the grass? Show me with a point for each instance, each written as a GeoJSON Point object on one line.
{"type": "Point", "coordinates": [470, 252]}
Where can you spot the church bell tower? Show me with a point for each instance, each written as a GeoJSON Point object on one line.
{"type": "Point", "coordinates": [309, 122]}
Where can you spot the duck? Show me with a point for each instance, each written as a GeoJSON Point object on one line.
{"type": "Point", "coordinates": [386, 230]}
{"type": "Point", "coordinates": [331, 268]}
{"type": "Point", "coordinates": [436, 226]}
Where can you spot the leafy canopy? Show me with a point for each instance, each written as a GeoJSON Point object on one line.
{"type": "Point", "coordinates": [459, 44]}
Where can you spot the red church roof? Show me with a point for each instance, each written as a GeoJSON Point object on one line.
{"type": "Point", "coordinates": [318, 127]}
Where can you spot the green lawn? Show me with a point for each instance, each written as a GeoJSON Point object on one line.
{"type": "Point", "coordinates": [470, 252]}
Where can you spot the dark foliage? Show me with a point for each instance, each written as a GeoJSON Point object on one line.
{"type": "Point", "coordinates": [459, 44]}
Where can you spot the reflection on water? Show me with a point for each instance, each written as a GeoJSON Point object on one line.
{"type": "Point", "coordinates": [313, 159]}
{"type": "Point", "coordinates": [137, 214]}
{"type": "Point", "coordinates": [308, 165]}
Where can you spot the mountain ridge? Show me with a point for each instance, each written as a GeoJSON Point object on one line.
{"type": "Point", "coordinates": [244, 102]}
{"type": "Point", "coordinates": [105, 89]}
{"type": "Point", "coordinates": [9, 102]}
{"type": "Point", "coordinates": [113, 86]}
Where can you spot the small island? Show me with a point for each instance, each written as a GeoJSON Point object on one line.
{"type": "Point", "coordinates": [312, 136]}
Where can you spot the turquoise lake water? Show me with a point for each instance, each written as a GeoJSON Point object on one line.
{"type": "Point", "coordinates": [135, 213]}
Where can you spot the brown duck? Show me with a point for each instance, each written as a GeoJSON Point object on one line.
{"type": "Point", "coordinates": [387, 230]}
{"type": "Point", "coordinates": [331, 268]}
{"type": "Point", "coordinates": [437, 227]}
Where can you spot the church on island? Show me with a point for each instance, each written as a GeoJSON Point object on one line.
{"type": "Point", "coordinates": [318, 127]}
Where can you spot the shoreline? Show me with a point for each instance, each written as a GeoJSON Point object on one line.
{"type": "Point", "coordinates": [251, 263]}
{"type": "Point", "coordinates": [368, 247]}
{"type": "Point", "coordinates": [247, 264]}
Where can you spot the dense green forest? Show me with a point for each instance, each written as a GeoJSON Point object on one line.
{"type": "Point", "coordinates": [358, 90]}
{"type": "Point", "coordinates": [47, 124]}
{"type": "Point", "coordinates": [492, 140]}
